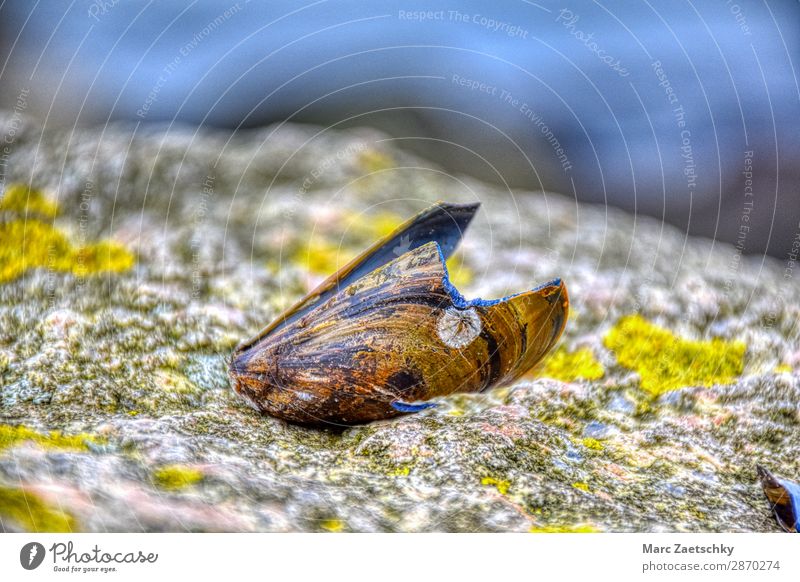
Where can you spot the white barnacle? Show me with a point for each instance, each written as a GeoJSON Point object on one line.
{"type": "Point", "coordinates": [458, 327]}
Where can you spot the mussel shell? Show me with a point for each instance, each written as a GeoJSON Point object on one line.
{"type": "Point", "coordinates": [361, 348]}
{"type": "Point", "coordinates": [784, 497]}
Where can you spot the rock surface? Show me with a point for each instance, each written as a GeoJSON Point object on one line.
{"type": "Point", "coordinates": [679, 370]}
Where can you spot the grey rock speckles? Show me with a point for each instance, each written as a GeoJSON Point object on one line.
{"type": "Point", "coordinates": [219, 229]}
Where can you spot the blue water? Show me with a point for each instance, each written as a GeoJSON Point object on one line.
{"type": "Point", "coordinates": [649, 106]}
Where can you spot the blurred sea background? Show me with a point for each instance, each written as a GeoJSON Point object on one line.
{"type": "Point", "coordinates": [688, 111]}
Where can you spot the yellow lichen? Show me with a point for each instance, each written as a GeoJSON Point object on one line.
{"type": "Point", "coordinates": [500, 484]}
{"type": "Point", "coordinates": [174, 382]}
{"type": "Point", "coordinates": [783, 369]}
{"type": "Point", "coordinates": [14, 435]}
{"type": "Point", "coordinates": [666, 362]}
{"type": "Point", "coordinates": [581, 485]}
{"type": "Point", "coordinates": [570, 366]}
{"type": "Point", "coordinates": [176, 477]}
{"type": "Point", "coordinates": [374, 161]}
{"type": "Point", "coordinates": [580, 528]}
{"type": "Point", "coordinates": [325, 255]}
{"type": "Point", "coordinates": [366, 228]}
{"type": "Point", "coordinates": [30, 244]}
{"type": "Point", "coordinates": [593, 444]}
{"type": "Point", "coordinates": [403, 471]}
{"type": "Point", "coordinates": [31, 513]}
{"type": "Point", "coordinates": [323, 258]}
{"type": "Point", "coordinates": [377, 225]}
{"type": "Point", "coordinates": [27, 242]}
{"type": "Point", "coordinates": [104, 255]}
{"type": "Point", "coordinates": [458, 272]}
{"type": "Point", "coordinates": [21, 200]}
{"type": "Point", "coordinates": [332, 525]}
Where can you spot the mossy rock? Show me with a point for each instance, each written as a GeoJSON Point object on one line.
{"type": "Point", "coordinates": [126, 283]}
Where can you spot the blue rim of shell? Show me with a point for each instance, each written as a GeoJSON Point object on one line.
{"type": "Point", "coordinates": [461, 302]}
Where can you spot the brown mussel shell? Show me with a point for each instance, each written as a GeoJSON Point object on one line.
{"type": "Point", "coordinates": [784, 498]}
{"type": "Point", "coordinates": [389, 330]}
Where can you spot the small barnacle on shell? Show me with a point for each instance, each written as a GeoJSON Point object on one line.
{"type": "Point", "coordinates": [386, 332]}
{"type": "Point", "coordinates": [458, 327]}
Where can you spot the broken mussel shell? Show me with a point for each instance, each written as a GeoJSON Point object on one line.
{"type": "Point", "coordinates": [389, 331]}
{"type": "Point", "coordinates": [784, 498]}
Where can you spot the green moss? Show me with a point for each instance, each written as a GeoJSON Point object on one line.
{"type": "Point", "coordinates": [24, 200]}
{"type": "Point", "coordinates": [501, 485]}
{"type": "Point", "coordinates": [570, 366]}
{"type": "Point", "coordinates": [176, 477]}
{"type": "Point", "coordinates": [332, 525]}
{"type": "Point", "coordinates": [13, 435]}
{"type": "Point", "coordinates": [29, 244]}
{"type": "Point", "coordinates": [563, 529]}
{"type": "Point", "coordinates": [30, 512]}
{"type": "Point", "coordinates": [666, 362]}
